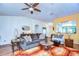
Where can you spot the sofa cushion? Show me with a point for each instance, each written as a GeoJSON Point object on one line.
{"type": "Point", "coordinates": [35, 41]}
{"type": "Point", "coordinates": [28, 38]}
{"type": "Point", "coordinates": [42, 36]}
{"type": "Point", "coordinates": [35, 37]}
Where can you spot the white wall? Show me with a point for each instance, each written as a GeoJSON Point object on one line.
{"type": "Point", "coordinates": [8, 24]}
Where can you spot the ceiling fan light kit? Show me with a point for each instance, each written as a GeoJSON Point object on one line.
{"type": "Point", "coordinates": [31, 9]}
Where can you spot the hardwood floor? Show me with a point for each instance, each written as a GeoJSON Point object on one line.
{"type": "Point", "coordinates": [6, 50]}
{"type": "Point", "coordinates": [76, 46]}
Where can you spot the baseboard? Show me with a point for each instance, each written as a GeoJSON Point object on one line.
{"type": "Point", "coordinates": [5, 45]}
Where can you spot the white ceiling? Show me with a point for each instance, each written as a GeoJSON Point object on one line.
{"type": "Point", "coordinates": [49, 11]}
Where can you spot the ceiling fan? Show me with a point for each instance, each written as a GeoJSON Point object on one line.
{"type": "Point", "coordinates": [31, 7]}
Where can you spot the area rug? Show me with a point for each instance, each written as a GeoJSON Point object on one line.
{"type": "Point", "coordinates": [54, 51]}
{"type": "Point", "coordinates": [59, 51]}
{"type": "Point", "coordinates": [27, 52]}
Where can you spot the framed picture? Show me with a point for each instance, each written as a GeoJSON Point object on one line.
{"type": "Point", "coordinates": [26, 28]}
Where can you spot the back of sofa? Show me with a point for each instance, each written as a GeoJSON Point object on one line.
{"type": "Point", "coordinates": [58, 37]}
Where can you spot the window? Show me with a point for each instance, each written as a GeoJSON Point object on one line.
{"type": "Point", "coordinates": [67, 27]}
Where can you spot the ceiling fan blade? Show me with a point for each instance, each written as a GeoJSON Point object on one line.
{"type": "Point", "coordinates": [35, 4]}
{"type": "Point", "coordinates": [37, 10]}
{"type": "Point", "coordinates": [27, 4]}
{"type": "Point", "coordinates": [24, 8]}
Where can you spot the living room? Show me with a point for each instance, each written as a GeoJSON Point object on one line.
{"type": "Point", "coordinates": [57, 31]}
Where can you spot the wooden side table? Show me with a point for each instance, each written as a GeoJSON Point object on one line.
{"type": "Point", "coordinates": [46, 45]}
{"type": "Point", "coordinates": [15, 44]}
{"type": "Point", "coordinates": [69, 43]}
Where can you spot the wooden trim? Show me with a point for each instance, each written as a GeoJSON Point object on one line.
{"type": "Point", "coordinates": [5, 45]}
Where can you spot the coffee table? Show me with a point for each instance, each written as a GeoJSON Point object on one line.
{"type": "Point", "coordinates": [46, 45]}
{"type": "Point", "coordinates": [15, 43]}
